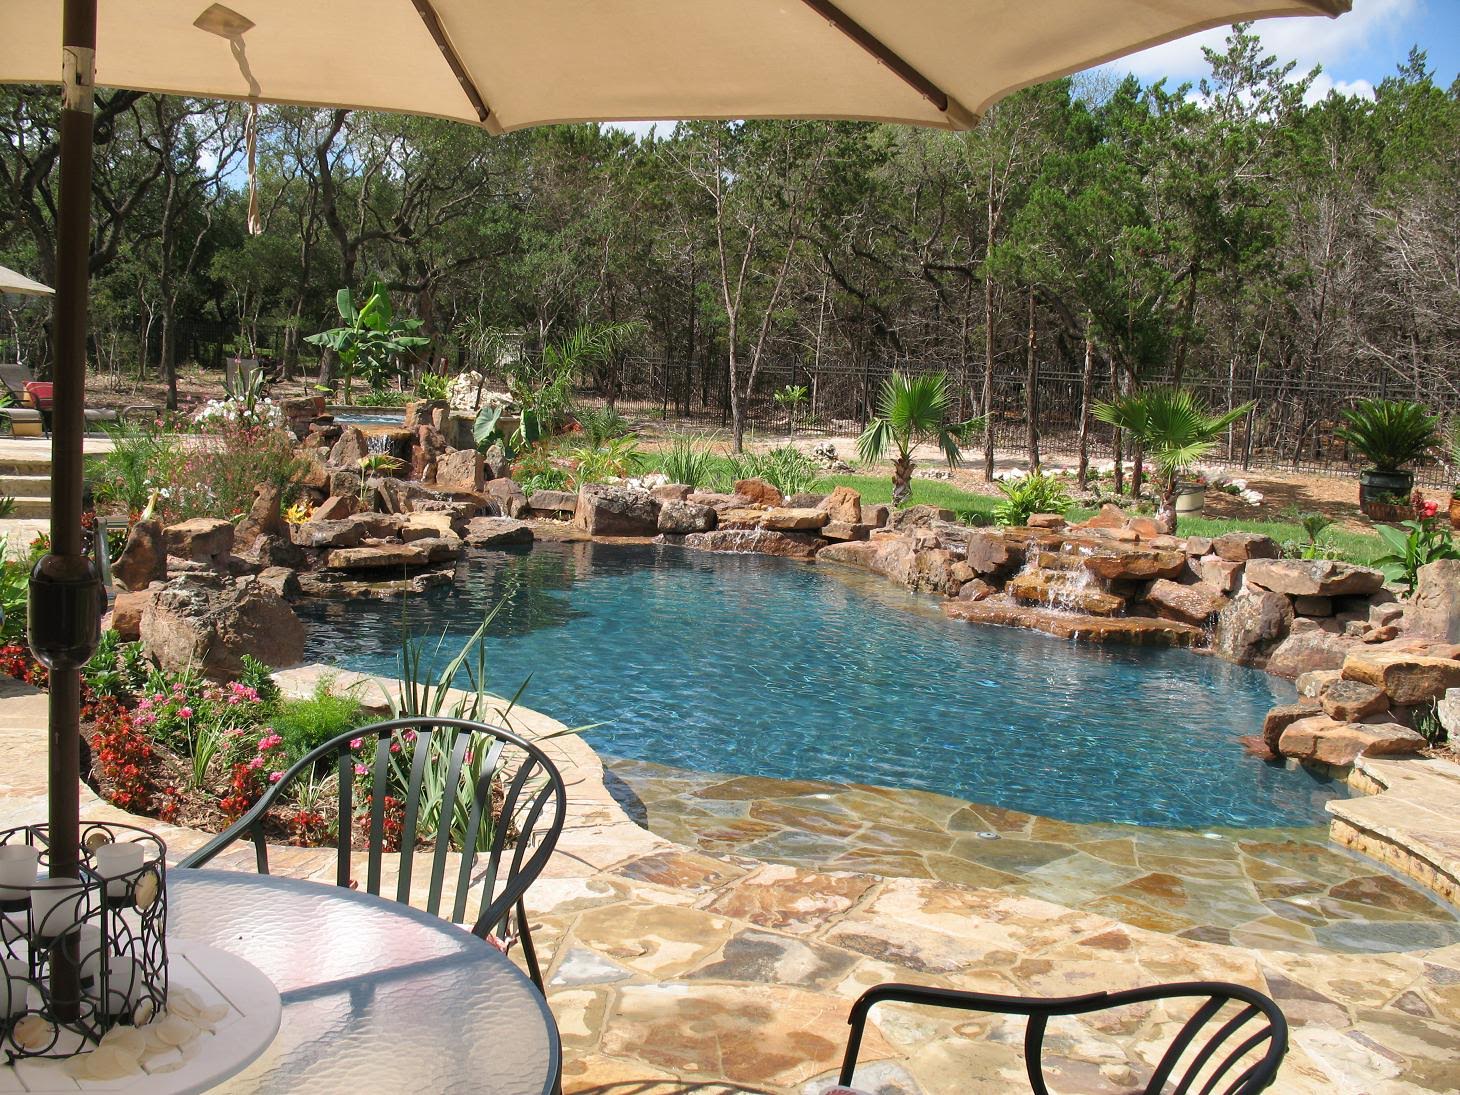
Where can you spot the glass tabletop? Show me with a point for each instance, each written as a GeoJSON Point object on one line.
{"type": "Point", "coordinates": [377, 996]}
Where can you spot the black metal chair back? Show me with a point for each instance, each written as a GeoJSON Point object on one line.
{"type": "Point", "coordinates": [1232, 1043]}
{"type": "Point", "coordinates": [480, 790]}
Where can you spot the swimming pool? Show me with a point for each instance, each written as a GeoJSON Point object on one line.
{"type": "Point", "coordinates": [758, 665]}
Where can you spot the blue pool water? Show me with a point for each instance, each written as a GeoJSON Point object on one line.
{"type": "Point", "coordinates": [756, 665]}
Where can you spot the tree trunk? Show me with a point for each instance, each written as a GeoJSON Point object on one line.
{"type": "Point", "coordinates": [902, 469]}
{"type": "Point", "coordinates": [1031, 389]}
{"type": "Point", "coordinates": [1087, 384]}
{"type": "Point", "coordinates": [1116, 440]}
{"type": "Point", "coordinates": [167, 349]}
{"type": "Point", "coordinates": [988, 369]}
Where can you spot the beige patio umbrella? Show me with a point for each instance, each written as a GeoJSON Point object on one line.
{"type": "Point", "coordinates": [506, 64]}
{"type": "Point", "coordinates": [20, 285]}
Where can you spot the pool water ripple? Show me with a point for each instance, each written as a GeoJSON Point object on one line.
{"type": "Point", "coordinates": [756, 665]}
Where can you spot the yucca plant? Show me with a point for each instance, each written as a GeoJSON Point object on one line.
{"type": "Point", "coordinates": [690, 462]}
{"type": "Point", "coordinates": [1174, 429]}
{"type": "Point", "coordinates": [1389, 433]}
{"type": "Point", "coordinates": [912, 410]}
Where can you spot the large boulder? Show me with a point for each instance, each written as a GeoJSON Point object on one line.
{"type": "Point", "coordinates": [201, 539]}
{"type": "Point", "coordinates": [264, 518]}
{"type": "Point", "coordinates": [1307, 651]}
{"type": "Point", "coordinates": [126, 616]}
{"type": "Point", "coordinates": [1110, 516]}
{"type": "Point", "coordinates": [350, 449]}
{"type": "Point", "coordinates": [1280, 718]}
{"type": "Point", "coordinates": [988, 553]}
{"type": "Point", "coordinates": [557, 504]}
{"type": "Point", "coordinates": [508, 497]}
{"type": "Point", "coordinates": [462, 470]}
{"type": "Point", "coordinates": [759, 492]}
{"type": "Point", "coordinates": [1238, 547]}
{"type": "Point", "coordinates": [918, 517]}
{"type": "Point", "coordinates": [1136, 565]}
{"type": "Point", "coordinates": [1325, 740]}
{"type": "Point", "coordinates": [681, 518]}
{"type": "Point", "coordinates": [273, 550]}
{"type": "Point", "coordinates": [1223, 575]}
{"type": "Point", "coordinates": [843, 505]}
{"type": "Point", "coordinates": [144, 559]}
{"type": "Point", "coordinates": [1251, 625]}
{"type": "Point", "coordinates": [208, 624]}
{"type": "Point", "coordinates": [1406, 678]}
{"type": "Point", "coordinates": [335, 508]}
{"type": "Point", "coordinates": [379, 557]}
{"type": "Point", "coordinates": [327, 534]}
{"type": "Point", "coordinates": [1435, 610]}
{"type": "Point", "coordinates": [1353, 701]}
{"type": "Point", "coordinates": [493, 532]}
{"type": "Point", "coordinates": [1313, 577]}
{"type": "Point", "coordinates": [1448, 711]}
{"type": "Point", "coordinates": [794, 520]}
{"type": "Point", "coordinates": [606, 510]}
{"type": "Point", "coordinates": [791, 545]}
{"type": "Point", "coordinates": [1191, 604]}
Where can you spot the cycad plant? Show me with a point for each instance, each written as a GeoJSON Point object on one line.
{"type": "Point", "coordinates": [910, 411]}
{"type": "Point", "coordinates": [1174, 429]}
{"type": "Point", "coordinates": [1389, 433]}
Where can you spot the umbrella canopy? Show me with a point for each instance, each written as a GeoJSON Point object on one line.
{"type": "Point", "coordinates": [12, 282]}
{"type": "Point", "coordinates": [506, 64]}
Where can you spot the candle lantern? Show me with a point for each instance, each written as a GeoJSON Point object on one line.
{"type": "Point", "coordinates": [109, 925]}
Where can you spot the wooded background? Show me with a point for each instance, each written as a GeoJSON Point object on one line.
{"type": "Point", "coordinates": [1087, 236]}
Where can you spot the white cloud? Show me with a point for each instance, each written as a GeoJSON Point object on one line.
{"type": "Point", "coordinates": [1309, 41]}
{"type": "Point", "coordinates": [640, 130]}
{"type": "Point", "coordinates": [1353, 89]}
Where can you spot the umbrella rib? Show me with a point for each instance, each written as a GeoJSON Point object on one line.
{"type": "Point", "coordinates": [880, 51]}
{"type": "Point", "coordinates": [433, 24]}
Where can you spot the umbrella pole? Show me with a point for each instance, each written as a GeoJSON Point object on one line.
{"type": "Point", "coordinates": [62, 628]}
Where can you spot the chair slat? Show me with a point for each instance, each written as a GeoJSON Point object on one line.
{"type": "Point", "coordinates": [502, 831]}
{"type": "Point", "coordinates": [1034, 1053]}
{"type": "Point", "coordinates": [524, 839]}
{"type": "Point", "coordinates": [422, 746]}
{"type": "Point", "coordinates": [379, 785]}
{"type": "Point", "coordinates": [342, 852]}
{"type": "Point", "coordinates": [1246, 1047]}
{"type": "Point", "coordinates": [1189, 1030]}
{"type": "Point", "coordinates": [1231, 1026]}
{"type": "Point", "coordinates": [443, 824]}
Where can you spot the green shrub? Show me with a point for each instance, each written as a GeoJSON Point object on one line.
{"type": "Point", "coordinates": [433, 386]}
{"type": "Point", "coordinates": [141, 460]}
{"type": "Point", "coordinates": [305, 724]}
{"type": "Point", "coordinates": [594, 463]}
{"type": "Point", "coordinates": [1028, 496]}
{"type": "Point", "coordinates": [787, 469]}
{"type": "Point", "coordinates": [1389, 433]}
{"type": "Point", "coordinates": [14, 594]}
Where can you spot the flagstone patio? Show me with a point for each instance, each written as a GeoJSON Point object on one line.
{"type": "Point", "coordinates": [674, 970]}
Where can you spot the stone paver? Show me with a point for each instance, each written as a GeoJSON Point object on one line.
{"type": "Point", "coordinates": [673, 970]}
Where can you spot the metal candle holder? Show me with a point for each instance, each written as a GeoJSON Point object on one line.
{"type": "Point", "coordinates": [109, 926]}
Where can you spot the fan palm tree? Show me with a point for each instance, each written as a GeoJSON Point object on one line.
{"type": "Point", "coordinates": [911, 410]}
{"type": "Point", "coordinates": [1175, 430]}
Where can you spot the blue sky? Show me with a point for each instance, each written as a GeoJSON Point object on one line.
{"type": "Point", "coordinates": [1356, 50]}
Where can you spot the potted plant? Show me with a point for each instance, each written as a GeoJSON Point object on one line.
{"type": "Point", "coordinates": [1390, 434]}
{"type": "Point", "coordinates": [1455, 471]}
{"type": "Point", "coordinates": [1191, 493]}
{"type": "Point", "coordinates": [1176, 432]}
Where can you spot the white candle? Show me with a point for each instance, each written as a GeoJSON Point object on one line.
{"type": "Point", "coordinates": [14, 987]}
{"type": "Point", "coordinates": [17, 871]}
{"type": "Point", "coordinates": [124, 987]}
{"type": "Point", "coordinates": [114, 862]}
{"type": "Point", "coordinates": [56, 907]}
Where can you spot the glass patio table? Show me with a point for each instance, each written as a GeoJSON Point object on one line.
{"type": "Point", "coordinates": [377, 996]}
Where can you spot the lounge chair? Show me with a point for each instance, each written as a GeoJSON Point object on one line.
{"type": "Point", "coordinates": [33, 399]}
{"type": "Point", "coordinates": [1231, 1042]}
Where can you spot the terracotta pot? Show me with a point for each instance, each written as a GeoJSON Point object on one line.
{"type": "Point", "coordinates": [1455, 512]}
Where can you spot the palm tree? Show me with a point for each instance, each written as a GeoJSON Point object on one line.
{"type": "Point", "coordinates": [912, 410]}
{"type": "Point", "coordinates": [1175, 430]}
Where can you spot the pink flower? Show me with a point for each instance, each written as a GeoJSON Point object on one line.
{"type": "Point", "coordinates": [361, 770]}
{"type": "Point", "coordinates": [395, 747]}
{"type": "Point", "coordinates": [409, 735]}
{"type": "Point", "coordinates": [275, 777]}
{"type": "Point", "coordinates": [185, 712]}
{"type": "Point", "coordinates": [357, 743]}
{"type": "Point", "coordinates": [144, 704]}
{"type": "Point", "coordinates": [256, 763]}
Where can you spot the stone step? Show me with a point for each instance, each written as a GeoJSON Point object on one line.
{"type": "Point", "coordinates": [24, 485]}
{"type": "Point", "coordinates": [31, 508]}
{"type": "Point", "coordinates": [26, 465]}
{"type": "Point", "coordinates": [1134, 631]}
{"type": "Point", "coordinates": [1057, 589]}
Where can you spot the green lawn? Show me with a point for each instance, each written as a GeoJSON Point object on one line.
{"type": "Point", "coordinates": [1356, 547]}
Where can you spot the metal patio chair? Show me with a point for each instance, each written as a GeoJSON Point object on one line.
{"type": "Point", "coordinates": [1235, 1037]}
{"type": "Point", "coordinates": [513, 817]}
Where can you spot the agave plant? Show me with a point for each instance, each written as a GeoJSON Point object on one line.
{"type": "Point", "coordinates": [1175, 430]}
{"type": "Point", "coordinates": [912, 410]}
{"type": "Point", "coordinates": [1389, 433]}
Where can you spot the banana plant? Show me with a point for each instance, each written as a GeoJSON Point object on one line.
{"type": "Point", "coordinates": [370, 341]}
